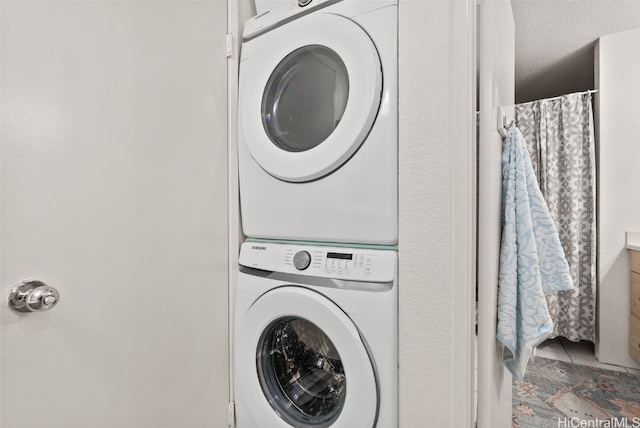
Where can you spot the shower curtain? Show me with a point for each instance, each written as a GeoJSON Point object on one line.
{"type": "Point", "coordinates": [560, 138]}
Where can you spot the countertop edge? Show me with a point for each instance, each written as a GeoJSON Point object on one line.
{"type": "Point", "coordinates": [633, 241]}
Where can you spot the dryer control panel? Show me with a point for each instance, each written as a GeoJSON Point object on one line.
{"type": "Point", "coordinates": [354, 264]}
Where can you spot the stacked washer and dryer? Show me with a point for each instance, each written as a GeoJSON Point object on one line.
{"type": "Point", "coordinates": [315, 337]}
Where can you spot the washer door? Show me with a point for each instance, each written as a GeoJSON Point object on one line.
{"type": "Point", "coordinates": [302, 363]}
{"type": "Point", "coordinates": [309, 98]}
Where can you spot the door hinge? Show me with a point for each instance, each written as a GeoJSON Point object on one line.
{"type": "Point", "coordinates": [229, 45]}
{"type": "Point", "coordinates": [232, 414]}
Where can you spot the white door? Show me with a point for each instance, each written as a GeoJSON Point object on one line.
{"type": "Point", "coordinates": [496, 47]}
{"type": "Point", "coordinates": [113, 191]}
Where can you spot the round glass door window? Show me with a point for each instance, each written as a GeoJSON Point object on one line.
{"type": "Point", "coordinates": [301, 373]}
{"type": "Point", "coordinates": [305, 98]}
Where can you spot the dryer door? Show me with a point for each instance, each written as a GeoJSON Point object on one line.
{"type": "Point", "coordinates": [302, 363]}
{"type": "Point", "coordinates": [309, 97]}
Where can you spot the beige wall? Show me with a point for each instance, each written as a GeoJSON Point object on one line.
{"type": "Point", "coordinates": [618, 127]}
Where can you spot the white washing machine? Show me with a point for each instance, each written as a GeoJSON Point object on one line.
{"type": "Point", "coordinates": [318, 122]}
{"type": "Point", "coordinates": [263, 6]}
{"type": "Point", "coordinates": [315, 338]}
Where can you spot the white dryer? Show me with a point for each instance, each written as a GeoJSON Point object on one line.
{"type": "Point", "coordinates": [315, 337]}
{"type": "Point", "coordinates": [318, 122]}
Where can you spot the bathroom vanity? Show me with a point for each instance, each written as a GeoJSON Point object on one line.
{"type": "Point", "coordinates": [633, 245]}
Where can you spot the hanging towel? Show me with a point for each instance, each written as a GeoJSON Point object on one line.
{"type": "Point", "coordinates": [532, 262]}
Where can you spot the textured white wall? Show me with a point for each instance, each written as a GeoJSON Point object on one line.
{"type": "Point", "coordinates": [432, 385]}
{"type": "Point", "coordinates": [617, 78]}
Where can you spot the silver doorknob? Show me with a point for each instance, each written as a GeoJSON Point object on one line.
{"type": "Point", "coordinates": [33, 296]}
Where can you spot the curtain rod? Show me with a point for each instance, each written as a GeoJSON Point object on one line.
{"type": "Point", "coordinates": [590, 91]}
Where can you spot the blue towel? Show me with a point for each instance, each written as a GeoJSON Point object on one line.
{"type": "Point", "coordinates": [532, 261]}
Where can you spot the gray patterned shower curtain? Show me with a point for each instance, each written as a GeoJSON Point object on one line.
{"type": "Point", "coordinates": [560, 138]}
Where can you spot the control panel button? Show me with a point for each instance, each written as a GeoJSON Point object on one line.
{"type": "Point", "coordinates": [302, 260]}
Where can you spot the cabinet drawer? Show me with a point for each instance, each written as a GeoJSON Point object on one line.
{"type": "Point", "coordinates": [634, 296]}
{"type": "Point", "coordinates": [635, 261]}
{"type": "Point", "coordinates": [634, 337]}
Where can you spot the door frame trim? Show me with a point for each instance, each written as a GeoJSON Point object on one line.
{"type": "Point", "coordinates": [234, 235]}
{"type": "Point", "coordinates": [463, 208]}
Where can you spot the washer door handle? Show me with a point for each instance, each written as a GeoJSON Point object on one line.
{"type": "Point", "coordinates": [33, 296]}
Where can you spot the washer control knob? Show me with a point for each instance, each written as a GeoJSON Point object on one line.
{"type": "Point", "coordinates": [302, 260]}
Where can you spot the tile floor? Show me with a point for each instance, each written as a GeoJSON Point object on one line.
{"type": "Point", "coordinates": [577, 353]}
{"type": "Point", "coordinates": [564, 350]}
